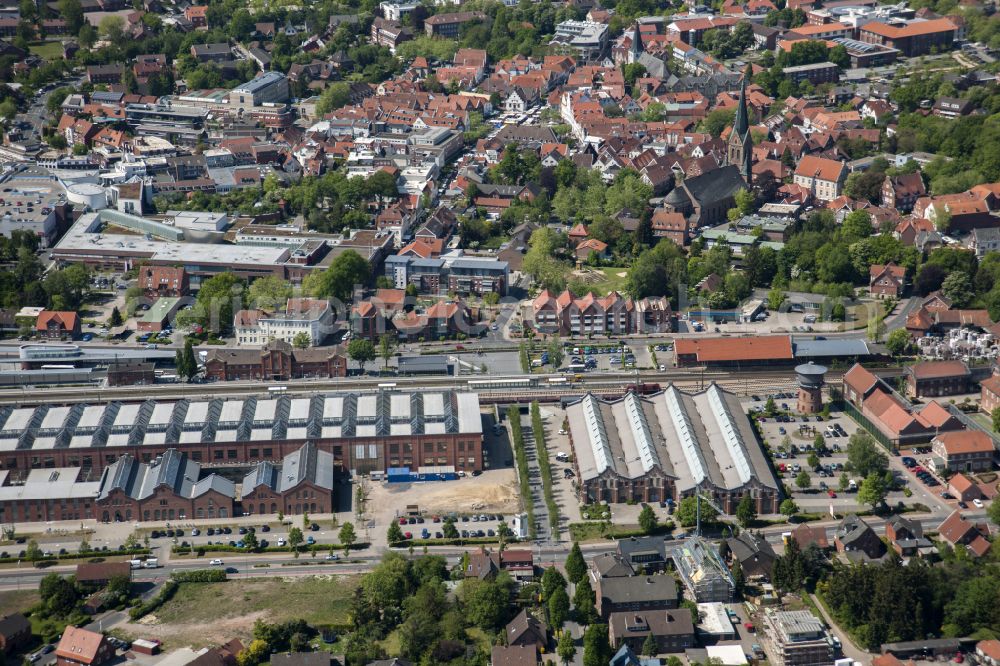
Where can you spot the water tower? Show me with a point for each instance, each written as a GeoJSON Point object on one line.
{"type": "Point", "coordinates": [810, 378]}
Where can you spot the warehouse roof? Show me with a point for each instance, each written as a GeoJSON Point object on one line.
{"type": "Point", "coordinates": [334, 415]}
{"type": "Point", "coordinates": [693, 437]}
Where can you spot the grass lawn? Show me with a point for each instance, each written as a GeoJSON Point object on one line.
{"type": "Point", "coordinates": [317, 600]}
{"type": "Point", "coordinates": [47, 50]}
{"type": "Point", "coordinates": [612, 280]}
{"type": "Point", "coordinates": [17, 601]}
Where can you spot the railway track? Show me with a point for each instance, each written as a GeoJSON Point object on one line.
{"type": "Point", "coordinates": [744, 382]}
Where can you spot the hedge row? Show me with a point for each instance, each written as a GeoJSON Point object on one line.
{"type": "Point", "coordinates": [517, 440]}
{"type": "Point", "coordinates": [55, 559]}
{"type": "Point", "coordinates": [225, 548]}
{"type": "Point", "coordinates": [167, 592]}
{"type": "Point", "coordinates": [543, 461]}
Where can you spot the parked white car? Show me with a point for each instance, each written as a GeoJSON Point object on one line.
{"type": "Point", "coordinates": [978, 503]}
{"type": "Point", "coordinates": [216, 562]}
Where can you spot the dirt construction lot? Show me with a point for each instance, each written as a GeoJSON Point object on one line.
{"type": "Point", "coordinates": [204, 614]}
{"type": "Point", "coordinates": [493, 491]}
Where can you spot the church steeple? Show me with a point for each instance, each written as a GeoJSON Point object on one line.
{"type": "Point", "coordinates": [636, 44]}
{"type": "Point", "coordinates": [742, 121]}
{"type": "Point", "coordinates": [740, 149]}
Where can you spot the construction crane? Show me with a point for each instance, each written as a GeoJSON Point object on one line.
{"type": "Point", "coordinates": [698, 499]}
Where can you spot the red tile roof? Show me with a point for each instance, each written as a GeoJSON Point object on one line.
{"type": "Point", "coordinates": [66, 320]}
{"type": "Point", "coordinates": [759, 348]}
{"type": "Point", "coordinates": [913, 29]}
{"type": "Point", "coordinates": [966, 441]}
{"type": "Point", "coordinates": [79, 645]}
{"type": "Point", "coordinates": [938, 369]}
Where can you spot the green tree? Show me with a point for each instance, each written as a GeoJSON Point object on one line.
{"type": "Point", "coordinates": [802, 480]}
{"type": "Point", "coordinates": [394, 534]}
{"type": "Point", "coordinates": [898, 341]}
{"type": "Point", "coordinates": [33, 553]}
{"type": "Point", "coordinates": [269, 293]}
{"type": "Point", "coordinates": [190, 363]}
{"type": "Point", "coordinates": [647, 519]}
{"type": "Point", "coordinates": [112, 28]}
{"type": "Point", "coordinates": [295, 539]}
{"type": "Point", "coordinates": [687, 512]}
{"type": "Point", "coordinates": [957, 287]}
{"type": "Point", "coordinates": [556, 352]}
{"type": "Point", "coordinates": [361, 351]}
{"type": "Point", "coordinates": [552, 580]}
{"type": "Point", "coordinates": [584, 602]}
{"type": "Point", "coordinates": [844, 482]}
{"type": "Point", "coordinates": [872, 491]}
{"type": "Point", "coordinates": [864, 457]}
{"type": "Point", "coordinates": [71, 11]}
{"type": "Point", "coordinates": [993, 512]}
{"type": "Point", "coordinates": [115, 319]}
{"type": "Point", "coordinates": [876, 328]}
{"type": "Point", "coordinates": [857, 225]}
{"type": "Point", "coordinates": [596, 646]}
{"type": "Point", "coordinates": [301, 340]}
{"type": "Point", "coordinates": [813, 460]}
{"type": "Point", "coordinates": [335, 96]}
{"type": "Point", "coordinates": [386, 348]}
{"type": "Point", "coordinates": [558, 607]}
{"type": "Point", "coordinates": [347, 537]}
{"type": "Point", "coordinates": [566, 648]}
{"type": "Point", "coordinates": [746, 511]}
{"type": "Point", "coordinates": [338, 281]}
{"type": "Point", "coordinates": [250, 541]}
{"type": "Point", "coordinates": [215, 304]}
{"type": "Point", "coordinates": [58, 595]}
{"type": "Point", "coordinates": [449, 530]}
{"type": "Point", "coordinates": [788, 507]}
{"type": "Point", "coordinates": [576, 567]}
{"type": "Point", "coordinates": [254, 654]}
{"type": "Point", "coordinates": [649, 646]}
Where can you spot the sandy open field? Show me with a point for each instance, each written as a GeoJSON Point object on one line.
{"type": "Point", "coordinates": [494, 491]}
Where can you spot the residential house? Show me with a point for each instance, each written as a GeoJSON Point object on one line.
{"type": "Point", "coordinates": [821, 177]}
{"type": "Point", "coordinates": [964, 451]}
{"type": "Point", "coordinates": [311, 316]}
{"type": "Point", "coordinates": [672, 630]}
{"type": "Point", "coordinates": [513, 655]}
{"type": "Point", "coordinates": [938, 378]}
{"type": "Point", "coordinates": [856, 539]}
{"type": "Point", "coordinates": [674, 226]}
{"type": "Point", "coordinates": [964, 488]}
{"type": "Point", "coordinates": [753, 552]}
{"type": "Point", "coordinates": [957, 531]}
{"type": "Point", "coordinates": [902, 191]}
{"type": "Point", "coordinates": [482, 564]}
{"type": "Point", "coordinates": [887, 280]}
{"type": "Point", "coordinates": [988, 652]}
{"type": "Point", "coordinates": [636, 594]}
{"type": "Point", "coordinates": [82, 647]}
{"type": "Point", "coordinates": [519, 563]}
{"type": "Point", "coordinates": [57, 325]}
{"type": "Point", "coordinates": [527, 630]}
{"type": "Point", "coordinates": [98, 574]}
{"type": "Point", "coordinates": [806, 535]}
{"type": "Point", "coordinates": [989, 397]}
{"type": "Point", "coordinates": [15, 631]}
{"type": "Point", "coordinates": [952, 107]}
{"type": "Point", "coordinates": [590, 247]}
{"type": "Point", "coordinates": [906, 536]}
{"type": "Point", "coordinates": [646, 554]}
{"type": "Point", "coordinates": [163, 281]}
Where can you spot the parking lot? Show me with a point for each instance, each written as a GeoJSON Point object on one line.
{"type": "Point", "coordinates": [791, 440]}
